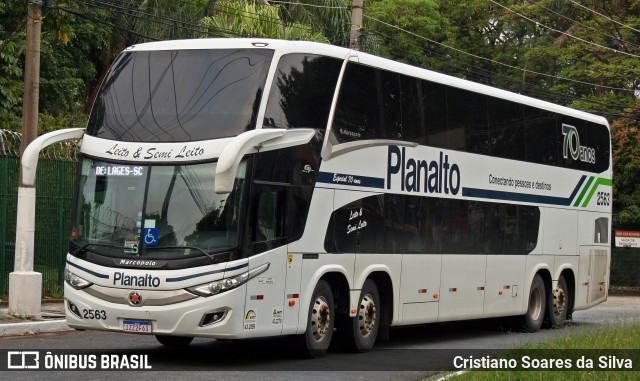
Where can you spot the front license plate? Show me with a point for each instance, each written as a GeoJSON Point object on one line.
{"type": "Point", "coordinates": [137, 326]}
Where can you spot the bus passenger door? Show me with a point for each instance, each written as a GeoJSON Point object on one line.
{"type": "Point", "coordinates": [264, 312]}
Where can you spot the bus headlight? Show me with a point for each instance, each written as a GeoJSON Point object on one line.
{"type": "Point", "coordinates": [75, 281]}
{"type": "Point", "coordinates": [226, 284]}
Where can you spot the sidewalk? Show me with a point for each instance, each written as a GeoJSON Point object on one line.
{"type": "Point", "coordinates": [52, 320]}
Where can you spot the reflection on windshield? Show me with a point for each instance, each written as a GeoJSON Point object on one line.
{"type": "Point", "coordinates": [180, 95]}
{"type": "Point", "coordinates": [180, 215]}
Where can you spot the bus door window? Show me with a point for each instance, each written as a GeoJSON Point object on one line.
{"type": "Point", "coordinates": [268, 225]}
{"type": "Point", "coordinates": [267, 219]}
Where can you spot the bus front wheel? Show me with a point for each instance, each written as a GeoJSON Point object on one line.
{"type": "Point", "coordinates": [536, 307]}
{"type": "Point", "coordinates": [320, 320]}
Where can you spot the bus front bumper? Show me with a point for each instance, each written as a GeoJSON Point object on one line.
{"type": "Point", "coordinates": [220, 316]}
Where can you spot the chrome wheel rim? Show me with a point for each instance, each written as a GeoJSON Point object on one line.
{"type": "Point", "coordinates": [367, 315]}
{"type": "Point", "coordinates": [320, 318]}
{"type": "Point", "coordinates": [559, 302]}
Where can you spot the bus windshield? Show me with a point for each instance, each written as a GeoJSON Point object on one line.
{"type": "Point", "coordinates": [180, 95]}
{"type": "Point", "coordinates": [155, 211]}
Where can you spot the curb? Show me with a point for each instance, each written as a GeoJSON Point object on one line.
{"type": "Point", "coordinates": [33, 327]}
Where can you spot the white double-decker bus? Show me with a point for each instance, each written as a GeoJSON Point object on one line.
{"type": "Point", "coordinates": [240, 188]}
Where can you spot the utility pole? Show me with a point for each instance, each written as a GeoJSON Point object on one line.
{"type": "Point", "coordinates": [31, 76]}
{"type": "Point", "coordinates": [25, 285]}
{"type": "Point", "coordinates": [356, 25]}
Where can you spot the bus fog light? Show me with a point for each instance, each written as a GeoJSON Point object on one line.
{"type": "Point", "coordinates": [213, 317]}
{"type": "Point", "coordinates": [74, 309]}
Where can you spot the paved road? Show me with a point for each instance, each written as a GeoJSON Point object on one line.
{"type": "Point", "coordinates": [405, 357]}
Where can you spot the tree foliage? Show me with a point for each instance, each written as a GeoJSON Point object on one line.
{"type": "Point", "coordinates": [244, 18]}
{"type": "Point", "coordinates": [626, 158]}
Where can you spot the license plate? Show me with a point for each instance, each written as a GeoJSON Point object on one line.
{"type": "Point", "coordinates": [137, 326]}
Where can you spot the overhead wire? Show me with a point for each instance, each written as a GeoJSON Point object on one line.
{"type": "Point", "coordinates": [564, 33]}
{"type": "Point", "coordinates": [161, 19]}
{"type": "Point", "coordinates": [90, 18]}
{"type": "Point", "coordinates": [498, 62]}
{"type": "Point", "coordinates": [307, 4]}
{"type": "Point", "coordinates": [615, 38]}
{"type": "Point", "coordinates": [608, 18]}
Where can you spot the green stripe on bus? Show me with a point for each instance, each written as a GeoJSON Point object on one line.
{"type": "Point", "coordinates": [584, 191]}
{"type": "Point", "coordinates": [600, 181]}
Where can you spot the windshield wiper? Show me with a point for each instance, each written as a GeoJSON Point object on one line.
{"type": "Point", "coordinates": [211, 256]}
{"type": "Point", "coordinates": [83, 248]}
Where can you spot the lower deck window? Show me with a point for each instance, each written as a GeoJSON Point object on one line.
{"type": "Point", "coordinates": [412, 224]}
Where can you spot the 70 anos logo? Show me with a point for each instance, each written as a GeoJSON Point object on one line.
{"type": "Point", "coordinates": [571, 146]}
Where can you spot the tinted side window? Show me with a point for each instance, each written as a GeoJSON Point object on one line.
{"type": "Point", "coordinates": [388, 94]}
{"type": "Point", "coordinates": [413, 224]}
{"type": "Point", "coordinates": [541, 137]}
{"type": "Point", "coordinates": [435, 106]}
{"type": "Point", "coordinates": [598, 138]}
{"type": "Point", "coordinates": [413, 100]}
{"type": "Point", "coordinates": [277, 215]}
{"type": "Point", "coordinates": [506, 129]}
{"type": "Point", "coordinates": [358, 227]}
{"type": "Point", "coordinates": [296, 165]}
{"type": "Point", "coordinates": [466, 116]}
{"type": "Point", "coordinates": [302, 91]}
{"type": "Point", "coordinates": [368, 105]}
{"type": "Point", "coordinates": [356, 116]}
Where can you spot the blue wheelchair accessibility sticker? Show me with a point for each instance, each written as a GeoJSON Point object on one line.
{"type": "Point", "coordinates": [150, 237]}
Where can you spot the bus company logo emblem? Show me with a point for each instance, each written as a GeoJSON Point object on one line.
{"type": "Point", "coordinates": [135, 298]}
{"type": "Point", "coordinates": [571, 146]}
{"type": "Point", "coordinates": [140, 263]}
{"type": "Point", "coordinates": [23, 360]}
{"type": "Point", "coordinates": [307, 169]}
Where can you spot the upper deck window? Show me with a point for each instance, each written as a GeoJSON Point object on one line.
{"type": "Point", "coordinates": [378, 104]}
{"type": "Point", "coordinates": [180, 95]}
{"type": "Point", "coordinates": [302, 90]}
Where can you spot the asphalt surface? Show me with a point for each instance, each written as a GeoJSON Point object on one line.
{"type": "Point", "coordinates": [413, 353]}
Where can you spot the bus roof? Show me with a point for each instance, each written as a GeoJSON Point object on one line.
{"type": "Point", "coordinates": [285, 47]}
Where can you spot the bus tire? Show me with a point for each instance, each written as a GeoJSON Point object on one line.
{"type": "Point", "coordinates": [174, 341]}
{"type": "Point", "coordinates": [317, 336]}
{"type": "Point", "coordinates": [536, 306]}
{"type": "Point", "coordinates": [360, 333]}
{"type": "Point", "coordinates": [558, 304]}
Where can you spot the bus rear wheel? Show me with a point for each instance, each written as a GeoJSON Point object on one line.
{"type": "Point", "coordinates": [558, 304]}
{"type": "Point", "coordinates": [320, 321]}
{"type": "Point", "coordinates": [359, 334]}
{"type": "Point", "coordinates": [536, 307]}
{"type": "Point", "coordinates": [174, 341]}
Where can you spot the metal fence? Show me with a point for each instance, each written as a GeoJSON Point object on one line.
{"type": "Point", "coordinates": [625, 269]}
{"type": "Point", "coordinates": [54, 193]}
